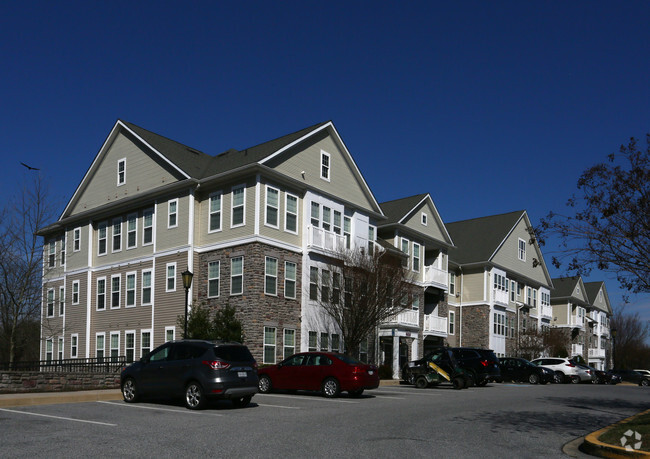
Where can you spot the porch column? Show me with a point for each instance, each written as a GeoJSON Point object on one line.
{"type": "Point", "coordinates": [395, 357]}
{"type": "Point", "coordinates": [415, 347]}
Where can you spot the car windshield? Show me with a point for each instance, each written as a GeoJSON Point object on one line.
{"type": "Point", "coordinates": [233, 353]}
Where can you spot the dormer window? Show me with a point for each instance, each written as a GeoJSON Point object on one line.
{"type": "Point", "coordinates": [324, 166]}
{"type": "Point", "coordinates": [121, 172]}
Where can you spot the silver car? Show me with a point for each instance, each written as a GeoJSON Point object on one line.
{"type": "Point", "coordinates": [565, 370]}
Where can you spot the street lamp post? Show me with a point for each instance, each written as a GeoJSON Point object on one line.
{"type": "Point", "coordinates": [187, 283]}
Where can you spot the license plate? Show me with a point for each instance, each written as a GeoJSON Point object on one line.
{"type": "Point", "coordinates": [241, 374]}
{"type": "Point", "coordinates": [371, 372]}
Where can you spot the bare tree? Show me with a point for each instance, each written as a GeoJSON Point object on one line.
{"type": "Point", "coordinates": [608, 226]}
{"type": "Point", "coordinates": [361, 290]}
{"type": "Point", "coordinates": [21, 257]}
{"type": "Point", "coordinates": [630, 348]}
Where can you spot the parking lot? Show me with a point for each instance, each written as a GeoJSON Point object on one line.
{"type": "Point", "coordinates": [498, 420]}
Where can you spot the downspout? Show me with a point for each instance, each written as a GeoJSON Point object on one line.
{"type": "Point", "coordinates": [460, 310]}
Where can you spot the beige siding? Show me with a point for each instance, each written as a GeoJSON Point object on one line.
{"type": "Point", "coordinates": [172, 237]}
{"type": "Point", "coordinates": [144, 171]}
{"type": "Point", "coordinates": [279, 233]}
{"type": "Point", "coordinates": [343, 181]}
{"type": "Point", "coordinates": [75, 316]}
{"type": "Point", "coordinates": [561, 312]}
{"type": "Point", "coordinates": [507, 255]}
{"type": "Point", "coordinates": [432, 228]}
{"type": "Point", "coordinates": [168, 305]}
{"type": "Point", "coordinates": [473, 286]}
{"type": "Point", "coordinates": [79, 259]}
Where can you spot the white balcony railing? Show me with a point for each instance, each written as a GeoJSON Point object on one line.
{"type": "Point", "coordinates": [596, 353]}
{"type": "Point", "coordinates": [408, 318]}
{"type": "Point", "coordinates": [546, 311]}
{"type": "Point", "coordinates": [576, 349]}
{"type": "Point", "coordinates": [326, 240]}
{"type": "Point", "coordinates": [433, 275]}
{"type": "Point", "coordinates": [577, 322]}
{"type": "Point", "coordinates": [500, 296]}
{"type": "Point", "coordinates": [435, 324]}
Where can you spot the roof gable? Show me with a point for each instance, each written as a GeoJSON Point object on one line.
{"type": "Point", "coordinates": [570, 288]}
{"type": "Point", "coordinates": [597, 296]}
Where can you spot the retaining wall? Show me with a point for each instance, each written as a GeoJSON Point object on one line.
{"type": "Point", "coordinates": [38, 381]}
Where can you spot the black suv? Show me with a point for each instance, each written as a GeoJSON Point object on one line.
{"type": "Point", "coordinates": [195, 370]}
{"type": "Point", "coordinates": [481, 365]}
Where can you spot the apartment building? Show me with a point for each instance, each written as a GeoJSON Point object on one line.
{"type": "Point", "coordinates": [499, 286]}
{"type": "Point", "coordinates": [254, 226]}
{"type": "Point", "coordinates": [414, 226]}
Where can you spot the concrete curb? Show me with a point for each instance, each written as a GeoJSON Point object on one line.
{"type": "Point", "coordinates": [48, 398]}
{"type": "Point", "coordinates": [592, 445]}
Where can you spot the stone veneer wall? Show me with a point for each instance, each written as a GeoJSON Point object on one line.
{"type": "Point", "coordinates": [254, 309]}
{"type": "Point", "coordinates": [476, 326]}
{"type": "Point", "coordinates": [39, 381]}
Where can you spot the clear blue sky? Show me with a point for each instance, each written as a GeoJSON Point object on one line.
{"type": "Point", "coordinates": [489, 106]}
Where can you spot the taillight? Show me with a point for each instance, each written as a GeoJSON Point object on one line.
{"type": "Point", "coordinates": [216, 364]}
{"type": "Point", "coordinates": [357, 369]}
{"type": "Point", "coordinates": [570, 365]}
{"type": "Point", "coordinates": [485, 363]}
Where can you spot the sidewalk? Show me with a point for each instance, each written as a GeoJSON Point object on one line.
{"type": "Point", "coordinates": [48, 398]}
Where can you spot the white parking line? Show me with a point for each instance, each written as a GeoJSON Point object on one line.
{"type": "Point", "coordinates": [279, 406]}
{"type": "Point", "coordinates": [159, 409]}
{"type": "Point", "coordinates": [59, 417]}
{"type": "Point", "coordinates": [294, 397]}
{"type": "Point", "coordinates": [388, 396]}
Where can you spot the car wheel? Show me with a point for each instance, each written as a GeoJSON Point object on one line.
{"type": "Point", "coordinates": [410, 378]}
{"type": "Point", "coordinates": [533, 378]}
{"type": "Point", "coordinates": [264, 384]}
{"type": "Point", "coordinates": [643, 382]}
{"type": "Point", "coordinates": [421, 382]}
{"type": "Point", "coordinates": [458, 383]}
{"type": "Point", "coordinates": [130, 391]}
{"type": "Point", "coordinates": [559, 377]}
{"type": "Point", "coordinates": [355, 393]}
{"type": "Point", "coordinates": [194, 396]}
{"type": "Point", "coordinates": [575, 379]}
{"type": "Point", "coordinates": [331, 388]}
{"type": "Point", "coordinates": [241, 402]}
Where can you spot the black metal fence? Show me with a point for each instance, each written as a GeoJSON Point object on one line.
{"type": "Point", "coordinates": [93, 365]}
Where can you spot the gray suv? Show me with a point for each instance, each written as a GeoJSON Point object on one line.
{"type": "Point", "coordinates": [195, 370]}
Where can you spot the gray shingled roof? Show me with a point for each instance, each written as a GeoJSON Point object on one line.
{"type": "Point", "coordinates": [477, 239]}
{"type": "Point", "coordinates": [397, 209]}
{"type": "Point", "coordinates": [199, 165]}
{"type": "Point", "coordinates": [564, 286]}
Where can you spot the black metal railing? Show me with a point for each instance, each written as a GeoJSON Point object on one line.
{"type": "Point", "coordinates": [92, 365]}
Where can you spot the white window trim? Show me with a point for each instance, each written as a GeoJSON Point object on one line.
{"type": "Point", "coordinates": [324, 154]}
{"type": "Point", "coordinates": [103, 335]}
{"type": "Point", "coordinates": [416, 268]}
{"type": "Point", "coordinates": [144, 227]}
{"type": "Point", "coordinates": [284, 342]}
{"type": "Point", "coordinates": [173, 330]}
{"type": "Point", "coordinates": [142, 287]}
{"type": "Point", "coordinates": [424, 219]}
{"type": "Point", "coordinates": [266, 259]}
{"type": "Point", "coordinates": [214, 278]}
{"type": "Point", "coordinates": [232, 205]}
{"type": "Point", "coordinates": [76, 239]}
{"type": "Point", "coordinates": [170, 213]}
{"type": "Point", "coordinates": [74, 337]}
{"type": "Point", "coordinates": [128, 247]}
{"type": "Point", "coordinates": [242, 276]}
{"type": "Point", "coordinates": [274, 345]}
{"type": "Point", "coordinates": [286, 212]}
{"type": "Point", "coordinates": [519, 251]}
{"type": "Point", "coordinates": [110, 343]}
{"type": "Point", "coordinates": [220, 211]}
{"type": "Point", "coordinates": [135, 344]}
{"type": "Point", "coordinates": [61, 300]}
{"type": "Point", "coordinates": [266, 207]}
{"type": "Point", "coordinates": [126, 289]}
{"type": "Point", "coordinates": [167, 289]}
{"type": "Point", "coordinates": [121, 161]}
{"type": "Point", "coordinates": [60, 348]}
{"type": "Point", "coordinates": [113, 223]}
{"type": "Point", "coordinates": [99, 238]}
{"type": "Point", "coordinates": [119, 291]}
{"type": "Point", "coordinates": [76, 282]}
{"type": "Point", "coordinates": [294, 280]}
{"type": "Point", "coordinates": [47, 302]}
{"type": "Point", "coordinates": [49, 341]}
{"type": "Point", "coordinates": [451, 323]}
{"type": "Point", "coordinates": [151, 348]}
{"type": "Point", "coordinates": [97, 281]}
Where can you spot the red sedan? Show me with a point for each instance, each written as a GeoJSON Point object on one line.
{"type": "Point", "coordinates": [320, 371]}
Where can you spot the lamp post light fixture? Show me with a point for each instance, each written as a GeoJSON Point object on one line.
{"type": "Point", "coordinates": [187, 283]}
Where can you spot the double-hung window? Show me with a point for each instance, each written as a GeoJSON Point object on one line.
{"type": "Point", "coordinates": [121, 171]}
{"type": "Point", "coordinates": [62, 253]}
{"type": "Point", "coordinates": [61, 301]}
{"type": "Point", "coordinates": [372, 231]}
{"type": "Point", "coordinates": [172, 213]}
{"type": "Point", "coordinates": [337, 222]}
{"type": "Point", "coordinates": [289, 279]}
{"type": "Point", "coordinates": [313, 341]}
{"type": "Point", "coordinates": [213, 278]}
{"type": "Point", "coordinates": [76, 240]}
{"type": "Point", "coordinates": [74, 346]}
{"type": "Point", "coordinates": [325, 286]}
{"type": "Point", "coordinates": [99, 346]}
{"type": "Point", "coordinates": [522, 250]}
{"type": "Point", "coordinates": [291, 213]}
{"type": "Point", "coordinates": [147, 232]}
{"type": "Point", "coordinates": [271, 276]}
{"type": "Point", "coordinates": [117, 235]}
{"type": "Point", "coordinates": [238, 206]}
{"type": "Point", "coordinates": [130, 289]}
{"type": "Point", "coordinates": [75, 292]}
{"type": "Point", "coordinates": [132, 231]}
{"type": "Point", "coordinates": [289, 342]}
{"type": "Point", "coordinates": [405, 250]}
{"type": "Point", "coordinates": [452, 283]}
{"type": "Point", "coordinates": [115, 346]}
{"type": "Point", "coordinates": [171, 277]}
{"type": "Point", "coordinates": [101, 294]}
{"type": "Point", "coordinates": [327, 218]}
{"type": "Point", "coordinates": [146, 286]}
{"type": "Point", "coordinates": [145, 342]}
{"type": "Point", "coordinates": [51, 258]}
{"type": "Point", "coordinates": [272, 206]}
{"type": "Point", "coordinates": [115, 291]}
{"type": "Point", "coordinates": [313, 283]}
{"type": "Point", "coordinates": [324, 342]}
{"type": "Point", "coordinates": [347, 231]}
{"type": "Point", "coordinates": [50, 303]}
{"type": "Point", "coordinates": [315, 214]}
{"type": "Point", "coordinates": [237, 275]}
{"type": "Point", "coordinates": [325, 166]}
{"type": "Point", "coordinates": [269, 345]}
{"type": "Point", "coordinates": [101, 238]}
{"type": "Point", "coordinates": [48, 349]}
{"type": "Point", "coordinates": [215, 212]}
{"type": "Point", "coordinates": [452, 322]}
{"type": "Point", "coordinates": [416, 257]}
{"type": "Point", "coordinates": [129, 346]}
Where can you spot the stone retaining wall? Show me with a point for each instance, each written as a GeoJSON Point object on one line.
{"type": "Point", "coordinates": [38, 381]}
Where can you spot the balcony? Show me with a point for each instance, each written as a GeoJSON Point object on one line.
{"type": "Point", "coordinates": [434, 325]}
{"type": "Point", "coordinates": [326, 240]}
{"type": "Point", "coordinates": [435, 276]}
{"type": "Point", "coordinates": [596, 353]}
{"type": "Point", "coordinates": [546, 311]}
{"type": "Point", "coordinates": [408, 318]}
{"type": "Point", "coordinates": [577, 322]}
{"type": "Point", "coordinates": [500, 297]}
{"type": "Point", "coordinates": [576, 349]}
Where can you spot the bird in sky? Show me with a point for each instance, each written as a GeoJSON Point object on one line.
{"type": "Point", "coordinates": [30, 167]}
